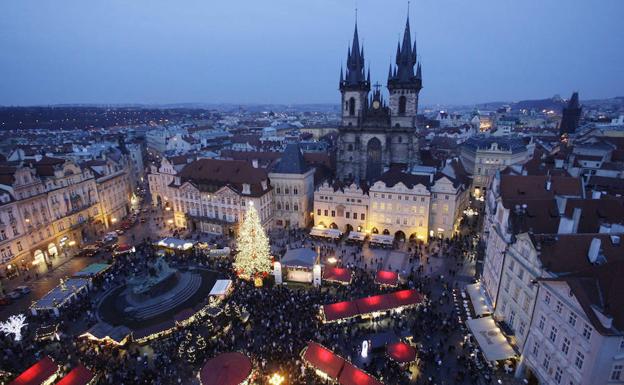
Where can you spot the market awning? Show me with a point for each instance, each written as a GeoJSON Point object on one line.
{"type": "Point", "coordinates": [373, 304]}
{"type": "Point", "coordinates": [401, 352]}
{"type": "Point", "coordinates": [382, 239]}
{"type": "Point", "coordinates": [221, 287]}
{"type": "Point", "coordinates": [326, 233]}
{"type": "Point", "coordinates": [62, 293]}
{"type": "Point", "coordinates": [176, 243]}
{"type": "Point", "coordinates": [478, 299]}
{"type": "Point", "coordinates": [39, 373]}
{"type": "Point", "coordinates": [356, 236]}
{"type": "Point", "coordinates": [405, 298]}
{"type": "Point", "coordinates": [324, 360]}
{"type": "Point", "coordinates": [388, 278]}
{"type": "Point", "coordinates": [352, 375]}
{"type": "Point", "coordinates": [494, 345]}
{"type": "Point", "coordinates": [340, 310]}
{"type": "Point", "coordinates": [93, 270]}
{"type": "Point", "coordinates": [337, 274]}
{"type": "Point", "coordinates": [78, 376]}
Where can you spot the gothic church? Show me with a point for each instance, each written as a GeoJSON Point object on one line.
{"type": "Point", "coordinates": [375, 134]}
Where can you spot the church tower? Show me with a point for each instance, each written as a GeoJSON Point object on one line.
{"type": "Point", "coordinates": [374, 136]}
{"type": "Point", "coordinates": [403, 84]}
{"type": "Point", "coordinates": [354, 87]}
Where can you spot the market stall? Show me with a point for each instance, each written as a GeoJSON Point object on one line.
{"type": "Point", "coordinates": [494, 345]}
{"type": "Point", "coordinates": [387, 278]}
{"type": "Point", "coordinates": [78, 376]}
{"type": "Point", "coordinates": [401, 352]}
{"type": "Point", "coordinates": [329, 365]}
{"type": "Point", "coordinates": [338, 274]}
{"type": "Point", "coordinates": [478, 300]}
{"type": "Point", "coordinates": [176, 243]}
{"type": "Point", "coordinates": [226, 369]}
{"type": "Point", "coordinates": [44, 372]}
{"type": "Point", "coordinates": [299, 264]}
{"type": "Point", "coordinates": [66, 292]}
{"type": "Point", "coordinates": [93, 270]}
{"type": "Point", "coordinates": [356, 236]}
{"type": "Point", "coordinates": [325, 233]}
{"type": "Point", "coordinates": [372, 305]}
{"type": "Point", "coordinates": [381, 240]}
{"type": "Point", "coordinates": [221, 288]}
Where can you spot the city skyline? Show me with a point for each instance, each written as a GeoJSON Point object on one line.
{"type": "Point", "coordinates": [238, 53]}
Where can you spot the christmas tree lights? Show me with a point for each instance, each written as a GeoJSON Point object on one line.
{"type": "Point", "coordinates": [253, 260]}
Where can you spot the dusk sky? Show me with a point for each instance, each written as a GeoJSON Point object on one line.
{"type": "Point", "coordinates": [290, 51]}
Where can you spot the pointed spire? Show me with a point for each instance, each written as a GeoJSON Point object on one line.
{"type": "Point", "coordinates": [390, 72]}
{"type": "Point", "coordinates": [407, 39]}
{"type": "Point", "coordinates": [398, 53]}
{"type": "Point", "coordinates": [341, 75]}
{"type": "Point", "coordinates": [418, 72]}
{"type": "Point", "coordinates": [368, 76]}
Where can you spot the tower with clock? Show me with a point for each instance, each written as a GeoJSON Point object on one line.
{"type": "Point", "coordinates": [375, 135]}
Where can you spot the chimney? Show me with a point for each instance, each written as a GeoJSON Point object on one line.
{"type": "Point", "coordinates": [594, 251]}
{"type": "Point", "coordinates": [576, 218]}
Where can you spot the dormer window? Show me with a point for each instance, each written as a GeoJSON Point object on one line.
{"type": "Point", "coordinates": [246, 189]}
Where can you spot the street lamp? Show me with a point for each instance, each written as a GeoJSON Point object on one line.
{"type": "Point", "coordinates": [276, 379]}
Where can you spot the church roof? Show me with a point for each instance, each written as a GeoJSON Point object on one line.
{"type": "Point", "coordinates": [292, 161]}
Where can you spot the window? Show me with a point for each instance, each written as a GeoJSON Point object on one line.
{"type": "Point", "coordinates": [295, 191]}
{"type": "Point", "coordinates": [362, 216]}
{"type": "Point", "coordinates": [546, 362]}
{"type": "Point", "coordinates": [318, 212]}
{"type": "Point", "coordinates": [541, 323]}
{"type": "Point", "coordinates": [559, 307]}
{"type": "Point", "coordinates": [621, 342]}
{"type": "Point", "coordinates": [19, 246]}
{"type": "Point", "coordinates": [521, 328]}
{"type": "Point", "coordinates": [572, 319]}
{"type": "Point", "coordinates": [325, 211]}
{"type": "Point", "coordinates": [333, 213]}
{"type": "Point", "coordinates": [402, 105]}
{"type": "Point", "coordinates": [547, 297]}
{"type": "Point", "coordinates": [512, 318]}
{"type": "Point", "coordinates": [279, 206]}
{"type": "Point", "coordinates": [565, 346]}
{"type": "Point", "coordinates": [347, 215]}
{"type": "Point", "coordinates": [536, 346]}
{"type": "Point", "coordinates": [616, 373]}
{"type": "Point", "coordinates": [558, 374]}
{"type": "Point", "coordinates": [553, 334]}
{"type": "Point", "coordinates": [580, 357]}
{"type": "Point", "coordinates": [512, 265]}
{"type": "Point", "coordinates": [587, 331]}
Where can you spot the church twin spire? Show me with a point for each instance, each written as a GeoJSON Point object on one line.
{"type": "Point", "coordinates": [402, 73]}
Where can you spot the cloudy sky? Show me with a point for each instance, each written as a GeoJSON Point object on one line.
{"type": "Point", "coordinates": [290, 51]}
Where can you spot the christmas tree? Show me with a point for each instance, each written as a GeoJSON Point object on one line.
{"type": "Point", "coordinates": [253, 259]}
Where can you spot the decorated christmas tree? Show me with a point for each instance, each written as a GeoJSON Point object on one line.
{"type": "Point", "coordinates": [253, 260]}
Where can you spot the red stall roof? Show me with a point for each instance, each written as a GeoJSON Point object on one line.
{"type": "Point", "coordinates": [337, 274]}
{"type": "Point", "coordinates": [351, 375]}
{"type": "Point", "coordinates": [405, 297]}
{"type": "Point", "coordinates": [38, 373]}
{"type": "Point", "coordinates": [323, 360]}
{"type": "Point", "coordinates": [226, 369]}
{"type": "Point", "coordinates": [373, 304]}
{"type": "Point", "coordinates": [383, 302]}
{"type": "Point", "coordinates": [340, 310]}
{"type": "Point", "coordinates": [401, 352]}
{"type": "Point", "coordinates": [385, 277]}
{"type": "Point", "coordinates": [78, 376]}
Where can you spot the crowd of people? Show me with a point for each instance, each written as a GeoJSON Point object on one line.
{"type": "Point", "coordinates": [273, 324]}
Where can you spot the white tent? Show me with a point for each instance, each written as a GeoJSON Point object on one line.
{"type": "Point", "coordinates": [221, 287]}
{"type": "Point", "coordinates": [327, 233]}
{"type": "Point", "coordinates": [382, 239]}
{"type": "Point", "coordinates": [478, 299]}
{"type": "Point", "coordinates": [357, 236]}
{"type": "Point", "coordinates": [490, 338]}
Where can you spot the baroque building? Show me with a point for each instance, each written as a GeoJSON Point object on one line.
{"type": "Point", "coordinates": [374, 134]}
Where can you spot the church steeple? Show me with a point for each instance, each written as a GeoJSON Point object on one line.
{"type": "Point", "coordinates": [355, 75]}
